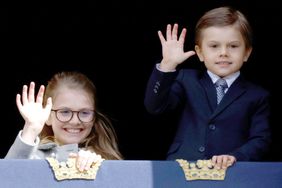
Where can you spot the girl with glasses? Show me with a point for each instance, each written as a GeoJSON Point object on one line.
{"type": "Point", "coordinates": [62, 121]}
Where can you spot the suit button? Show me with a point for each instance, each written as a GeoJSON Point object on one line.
{"type": "Point", "coordinates": [212, 127]}
{"type": "Point", "coordinates": [158, 83]}
{"type": "Point", "coordinates": [202, 149]}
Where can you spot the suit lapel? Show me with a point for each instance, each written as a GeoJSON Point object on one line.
{"type": "Point", "coordinates": [236, 90]}
{"type": "Point", "coordinates": [210, 91]}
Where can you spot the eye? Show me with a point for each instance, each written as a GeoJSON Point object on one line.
{"type": "Point", "coordinates": [64, 112]}
{"type": "Point", "coordinates": [213, 45]}
{"type": "Point", "coordinates": [86, 112]}
{"type": "Point", "coordinates": [234, 46]}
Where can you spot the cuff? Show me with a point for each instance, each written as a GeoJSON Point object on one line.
{"type": "Point", "coordinates": [36, 142]}
{"type": "Point", "coordinates": [158, 67]}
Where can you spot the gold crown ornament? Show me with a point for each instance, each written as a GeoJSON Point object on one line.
{"type": "Point", "coordinates": [201, 170]}
{"type": "Point", "coordinates": [68, 170]}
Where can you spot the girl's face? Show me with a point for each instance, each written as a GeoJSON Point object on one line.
{"type": "Point", "coordinates": [73, 131]}
{"type": "Point", "coordinates": [223, 50]}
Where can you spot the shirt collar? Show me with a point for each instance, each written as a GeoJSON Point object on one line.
{"type": "Point", "coordinates": [229, 79]}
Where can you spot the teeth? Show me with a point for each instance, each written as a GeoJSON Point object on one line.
{"type": "Point", "coordinates": [73, 130]}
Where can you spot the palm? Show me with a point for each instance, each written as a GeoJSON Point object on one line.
{"type": "Point", "coordinates": [32, 109]}
{"type": "Point", "coordinates": [173, 51]}
{"type": "Point", "coordinates": [33, 112]}
{"type": "Point", "coordinates": [173, 46]}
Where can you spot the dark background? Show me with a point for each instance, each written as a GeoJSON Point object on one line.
{"type": "Point", "coordinates": [115, 43]}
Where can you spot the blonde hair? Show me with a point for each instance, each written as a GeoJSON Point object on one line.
{"type": "Point", "coordinates": [102, 138]}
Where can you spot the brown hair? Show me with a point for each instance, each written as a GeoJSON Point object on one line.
{"type": "Point", "coordinates": [102, 138]}
{"type": "Point", "coordinates": [224, 16]}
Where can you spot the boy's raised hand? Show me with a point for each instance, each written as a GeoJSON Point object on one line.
{"type": "Point", "coordinates": [173, 48]}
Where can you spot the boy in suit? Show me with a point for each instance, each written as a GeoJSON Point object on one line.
{"type": "Point", "coordinates": [226, 129]}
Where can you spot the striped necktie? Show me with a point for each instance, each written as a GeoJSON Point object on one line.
{"type": "Point", "coordinates": [220, 86]}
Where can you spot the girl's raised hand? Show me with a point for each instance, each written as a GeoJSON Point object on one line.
{"type": "Point", "coordinates": [32, 111]}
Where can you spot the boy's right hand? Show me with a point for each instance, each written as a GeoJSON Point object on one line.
{"type": "Point", "coordinates": [173, 48]}
{"type": "Point", "coordinates": [32, 111]}
{"type": "Point", "coordinates": [223, 161]}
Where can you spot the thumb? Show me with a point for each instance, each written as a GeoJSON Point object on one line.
{"type": "Point", "coordinates": [73, 155]}
{"type": "Point", "coordinates": [189, 54]}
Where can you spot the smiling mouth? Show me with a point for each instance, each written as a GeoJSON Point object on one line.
{"type": "Point", "coordinates": [223, 63]}
{"type": "Point", "coordinates": [73, 131]}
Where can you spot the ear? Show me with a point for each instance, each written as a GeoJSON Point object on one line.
{"type": "Point", "coordinates": [48, 122]}
{"type": "Point", "coordinates": [199, 53]}
{"type": "Point", "coordinates": [248, 53]}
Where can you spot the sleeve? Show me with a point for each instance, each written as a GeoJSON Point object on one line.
{"type": "Point", "coordinates": [162, 92]}
{"type": "Point", "coordinates": [20, 149]}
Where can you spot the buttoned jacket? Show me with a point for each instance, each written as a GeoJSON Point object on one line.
{"type": "Point", "coordinates": [238, 126]}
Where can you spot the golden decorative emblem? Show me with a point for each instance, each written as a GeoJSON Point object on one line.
{"type": "Point", "coordinates": [68, 170]}
{"type": "Point", "coordinates": [201, 170]}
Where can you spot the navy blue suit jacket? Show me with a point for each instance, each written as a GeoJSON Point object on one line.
{"type": "Point", "coordinates": [238, 126]}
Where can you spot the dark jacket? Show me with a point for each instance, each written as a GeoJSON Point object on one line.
{"type": "Point", "coordinates": [238, 126]}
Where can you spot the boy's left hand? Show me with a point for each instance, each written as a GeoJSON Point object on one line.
{"type": "Point", "coordinates": [223, 161]}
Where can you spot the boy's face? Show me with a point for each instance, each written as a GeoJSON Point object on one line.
{"type": "Point", "coordinates": [73, 131]}
{"type": "Point", "coordinates": [223, 50]}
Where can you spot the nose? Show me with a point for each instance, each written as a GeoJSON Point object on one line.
{"type": "Point", "coordinates": [223, 51]}
{"type": "Point", "coordinates": [75, 119]}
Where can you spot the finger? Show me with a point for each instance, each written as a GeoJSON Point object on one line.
{"type": "Point", "coordinates": [81, 160]}
{"type": "Point", "coordinates": [219, 162]}
{"type": "Point", "coordinates": [24, 95]}
{"type": "Point", "coordinates": [31, 92]}
{"type": "Point", "coordinates": [231, 161]}
{"type": "Point", "coordinates": [89, 162]}
{"type": "Point", "coordinates": [97, 158]}
{"type": "Point", "coordinates": [73, 155]}
{"type": "Point", "coordinates": [19, 102]}
{"type": "Point", "coordinates": [168, 32]}
{"type": "Point", "coordinates": [161, 37]}
{"type": "Point", "coordinates": [213, 160]}
{"type": "Point", "coordinates": [49, 104]}
{"type": "Point", "coordinates": [224, 162]}
{"type": "Point", "coordinates": [81, 163]}
{"type": "Point", "coordinates": [174, 31]}
{"type": "Point", "coordinates": [86, 160]}
{"type": "Point", "coordinates": [39, 97]}
{"type": "Point", "coordinates": [189, 54]}
{"type": "Point", "coordinates": [182, 35]}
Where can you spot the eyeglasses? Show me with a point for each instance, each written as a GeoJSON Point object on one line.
{"type": "Point", "coordinates": [65, 115]}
